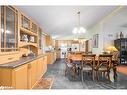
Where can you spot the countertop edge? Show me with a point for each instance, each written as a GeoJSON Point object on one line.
{"type": "Point", "coordinates": [18, 63]}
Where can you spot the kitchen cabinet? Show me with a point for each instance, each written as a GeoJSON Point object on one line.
{"type": "Point", "coordinates": [32, 73]}
{"type": "Point", "coordinates": [9, 29]}
{"type": "Point", "coordinates": [44, 65]}
{"type": "Point", "coordinates": [48, 41]}
{"type": "Point", "coordinates": [39, 37]}
{"type": "Point", "coordinates": [25, 76]}
{"type": "Point", "coordinates": [19, 77]}
{"type": "Point", "coordinates": [16, 78]}
{"type": "Point", "coordinates": [40, 68]}
{"type": "Point", "coordinates": [51, 57]}
{"type": "Point", "coordinates": [34, 28]}
{"type": "Point", "coordinates": [25, 22]}
{"type": "Point", "coordinates": [13, 26]}
{"type": "Point", "coordinates": [36, 69]}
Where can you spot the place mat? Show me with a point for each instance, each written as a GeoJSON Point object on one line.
{"type": "Point", "coordinates": [122, 69]}
{"type": "Point", "coordinates": [44, 83]}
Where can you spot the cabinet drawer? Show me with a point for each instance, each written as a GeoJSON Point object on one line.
{"type": "Point", "coordinates": [8, 58]}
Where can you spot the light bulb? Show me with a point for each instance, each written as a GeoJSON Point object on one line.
{"type": "Point", "coordinates": [82, 30]}
{"type": "Point", "coordinates": [75, 30]}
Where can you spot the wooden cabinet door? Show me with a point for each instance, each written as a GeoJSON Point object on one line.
{"type": "Point", "coordinates": [33, 72]}
{"type": "Point", "coordinates": [25, 22]}
{"type": "Point", "coordinates": [19, 77]}
{"type": "Point", "coordinates": [9, 28]}
{"type": "Point", "coordinates": [44, 65]}
{"type": "Point", "coordinates": [40, 68]}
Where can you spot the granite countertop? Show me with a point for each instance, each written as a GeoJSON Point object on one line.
{"type": "Point", "coordinates": [20, 62]}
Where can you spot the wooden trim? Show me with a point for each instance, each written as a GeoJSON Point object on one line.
{"type": "Point", "coordinates": [8, 48]}
{"type": "Point", "coordinates": [4, 26]}
{"type": "Point", "coordinates": [22, 44]}
{"type": "Point", "coordinates": [15, 29]}
{"type": "Point", "coordinates": [9, 53]}
{"type": "Point", "coordinates": [18, 31]}
{"type": "Point", "coordinates": [12, 8]}
{"type": "Point", "coordinates": [27, 31]}
{"type": "Point", "coordinates": [0, 29]}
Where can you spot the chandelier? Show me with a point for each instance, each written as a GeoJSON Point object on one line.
{"type": "Point", "coordinates": [79, 29]}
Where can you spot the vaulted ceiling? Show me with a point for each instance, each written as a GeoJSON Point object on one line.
{"type": "Point", "coordinates": [59, 21]}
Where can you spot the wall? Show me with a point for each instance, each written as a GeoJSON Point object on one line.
{"type": "Point", "coordinates": [97, 29]}
{"type": "Point", "coordinates": [107, 31]}
{"type": "Point", "coordinates": [113, 26]}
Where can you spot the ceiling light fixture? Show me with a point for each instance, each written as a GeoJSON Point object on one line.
{"type": "Point", "coordinates": [79, 29]}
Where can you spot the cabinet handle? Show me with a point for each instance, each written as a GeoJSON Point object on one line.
{"type": "Point", "coordinates": [29, 66]}
{"type": "Point", "coordinates": [10, 58]}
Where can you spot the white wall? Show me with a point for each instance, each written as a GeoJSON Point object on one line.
{"type": "Point", "coordinates": [113, 26]}
{"type": "Point", "coordinates": [108, 29]}
{"type": "Point", "coordinates": [97, 29]}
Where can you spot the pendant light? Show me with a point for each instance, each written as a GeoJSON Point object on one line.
{"type": "Point", "coordinates": [79, 29]}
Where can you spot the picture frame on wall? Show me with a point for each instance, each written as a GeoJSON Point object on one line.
{"type": "Point", "coordinates": [95, 40]}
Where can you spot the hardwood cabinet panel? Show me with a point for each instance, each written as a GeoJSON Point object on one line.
{"type": "Point", "coordinates": [44, 65]}
{"type": "Point", "coordinates": [25, 76]}
{"type": "Point", "coordinates": [39, 37]}
{"type": "Point", "coordinates": [34, 28]}
{"type": "Point", "coordinates": [48, 41]}
{"type": "Point", "coordinates": [40, 68]}
{"type": "Point", "coordinates": [2, 27]}
{"type": "Point", "coordinates": [25, 22]}
{"type": "Point", "coordinates": [9, 28]}
{"type": "Point", "coordinates": [19, 76]}
{"type": "Point", "coordinates": [5, 77]}
{"type": "Point", "coordinates": [8, 58]}
{"type": "Point", "coordinates": [32, 73]}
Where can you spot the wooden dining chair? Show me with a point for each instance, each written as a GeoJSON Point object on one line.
{"type": "Point", "coordinates": [104, 65]}
{"type": "Point", "coordinates": [116, 61]}
{"type": "Point", "coordinates": [77, 61]}
{"type": "Point", "coordinates": [70, 68]}
{"type": "Point", "coordinates": [88, 64]}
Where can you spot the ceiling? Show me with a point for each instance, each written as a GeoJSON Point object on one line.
{"type": "Point", "coordinates": [59, 21]}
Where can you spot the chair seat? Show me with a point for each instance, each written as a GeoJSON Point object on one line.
{"type": "Point", "coordinates": [102, 68]}
{"type": "Point", "coordinates": [69, 65]}
{"type": "Point", "coordinates": [87, 68]}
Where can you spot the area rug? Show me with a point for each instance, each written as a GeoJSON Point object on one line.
{"type": "Point", "coordinates": [44, 83]}
{"type": "Point", "coordinates": [122, 69]}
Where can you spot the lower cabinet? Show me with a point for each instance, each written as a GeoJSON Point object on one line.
{"type": "Point", "coordinates": [19, 77]}
{"type": "Point", "coordinates": [51, 56]}
{"type": "Point", "coordinates": [44, 64]}
{"type": "Point", "coordinates": [25, 76]}
{"type": "Point", "coordinates": [36, 69]}
{"type": "Point", "coordinates": [32, 73]}
{"type": "Point", "coordinates": [40, 68]}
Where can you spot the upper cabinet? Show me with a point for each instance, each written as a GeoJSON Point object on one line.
{"type": "Point", "coordinates": [28, 32]}
{"type": "Point", "coordinates": [9, 29]}
{"type": "Point", "coordinates": [48, 40]}
{"type": "Point", "coordinates": [33, 27]}
{"type": "Point", "coordinates": [27, 25]}
{"type": "Point", "coordinates": [39, 37]}
{"type": "Point", "coordinates": [17, 31]}
{"type": "Point", "coordinates": [25, 22]}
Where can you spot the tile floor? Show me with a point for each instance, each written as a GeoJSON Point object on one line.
{"type": "Point", "coordinates": [61, 81]}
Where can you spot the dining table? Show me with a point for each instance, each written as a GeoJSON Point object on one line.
{"type": "Point", "coordinates": [77, 61]}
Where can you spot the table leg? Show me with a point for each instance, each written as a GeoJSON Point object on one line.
{"type": "Point", "coordinates": [115, 73]}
